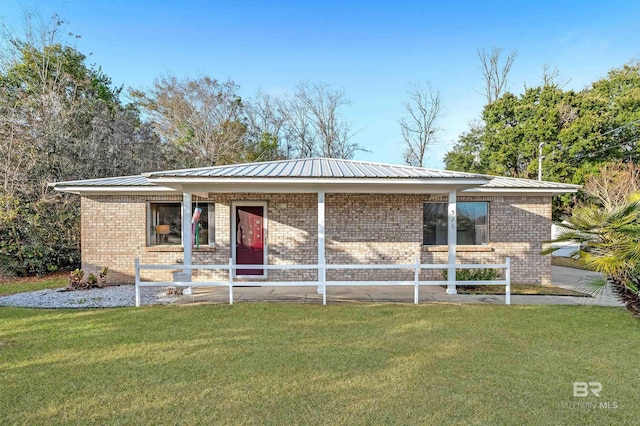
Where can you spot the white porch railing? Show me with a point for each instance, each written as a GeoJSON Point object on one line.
{"type": "Point", "coordinates": [416, 283]}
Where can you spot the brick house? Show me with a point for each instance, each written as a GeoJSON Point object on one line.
{"type": "Point", "coordinates": [314, 211]}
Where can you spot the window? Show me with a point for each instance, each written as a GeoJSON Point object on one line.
{"type": "Point", "coordinates": [472, 223]}
{"type": "Point", "coordinates": [434, 224]}
{"type": "Point", "coordinates": [165, 221]}
{"type": "Point", "coordinates": [166, 224]}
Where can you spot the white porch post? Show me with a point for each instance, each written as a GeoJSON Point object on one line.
{"type": "Point", "coordinates": [322, 272]}
{"type": "Point", "coordinates": [452, 241]}
{"type": "Point", "coordinates": [186, 236]}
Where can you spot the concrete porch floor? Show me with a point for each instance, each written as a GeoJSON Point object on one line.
{"type": "Point", "coordinates": [562, 277]}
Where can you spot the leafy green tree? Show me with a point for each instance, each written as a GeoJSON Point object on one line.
{"type": "Point", "coordinates": [468, 153]}
{"type": "Point", "coordinates": [515, 126]}
{"type": "Point", "coordinates": [60, 69]}
{"type": "Point", "coordinates": [579, 131]}
{"type": "Point", "coordinates": [264, 149]}
{"type": "Point", "coordinates": [59, 120]}
{"type": "Point", "coordinates": [613, 104]}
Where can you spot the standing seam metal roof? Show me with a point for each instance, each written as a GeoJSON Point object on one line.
{"type": "Point", "coordinates": [110, 181]}
{"type": "Point", "coordinates": [315, 167]}
{"type": "Point", "coordinates": [321, 168]}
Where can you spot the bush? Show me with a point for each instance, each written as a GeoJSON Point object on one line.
{"type": "Point", "coordinates": [39, 238]}
{"type": "Point", "coordinates": [483, 274]}
{"type": "Point", "coordinates": [76, 283]}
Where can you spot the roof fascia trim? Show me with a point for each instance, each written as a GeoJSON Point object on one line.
{"type": "Point", "coordinates": [323, 181]}
{"type": "Point", "coordinates": [85, 189]}
{"type": "Point", "coordinates": [540, 191]}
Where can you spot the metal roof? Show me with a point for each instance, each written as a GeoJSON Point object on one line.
{"type": "Point", "coordinates": [508, 182]}
{"type": "Point", "coordinates": [314, 168]}
{"type": "Point", "coordinates": [110, 181]}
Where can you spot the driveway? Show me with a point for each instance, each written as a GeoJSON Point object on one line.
{"type": "Point", "coordinates": [570, 277]}
{"type": "Point", "coordinates": [578, 280]}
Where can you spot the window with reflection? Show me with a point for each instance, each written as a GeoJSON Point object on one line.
{"type": "Point", "coordinates": [472, 223]}
{"type": "Point", "coordinates": [166, 224]}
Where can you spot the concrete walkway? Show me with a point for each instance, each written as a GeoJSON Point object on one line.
{"type": "Point", "coordinates": [578, 280]}
{"type": "Point", "coordinates": [569, 278]}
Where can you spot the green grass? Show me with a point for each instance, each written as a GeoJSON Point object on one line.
{"type": "Point", "coordinates": [20, 285]}
{"type": "Point", "coordinates": [568, 262]}
{"type": "Point", "coordinates": [521, 289]}
{"type": "Point", "coordinates": [285, 363]}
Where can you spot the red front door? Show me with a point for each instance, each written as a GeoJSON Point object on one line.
{"type": "Point", "coordinates": [249, 238]}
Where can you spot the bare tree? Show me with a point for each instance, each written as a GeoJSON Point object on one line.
{"type": "Point", "coordinates": [266, 113]}
{"type": "Point", "coordinates": [495, 74]}
{"type": "Point", "coordinates": [266, 118]}
{"type": "Point", "coordinates": [614, 184]}
{"type": "Point", "coordinates": [551, 77]}
{"type": "Point", "coordinates": [315, 125]}
{"type": "Point", "coordinates": [308, 123]}
{"type": "Point", "coordinates": [419, 126]}
{"type": "Point", "coordinates": [201, 118]}
{"type": "Point", "coordinates": [300, 136]}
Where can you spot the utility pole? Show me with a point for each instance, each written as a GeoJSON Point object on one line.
{"type": "Point", "coordinates": [540, 157]}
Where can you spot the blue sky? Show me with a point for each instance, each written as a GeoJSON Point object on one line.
{"type": "Point", "coordinates": [372, 49]}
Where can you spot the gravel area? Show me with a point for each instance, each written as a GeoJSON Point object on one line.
{"type": "Point", "coordinates": [108, 297]}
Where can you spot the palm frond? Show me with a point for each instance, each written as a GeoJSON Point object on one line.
{"type": "Point", "coordinates": [608, 265]}
{"type": "Point", "coordinates": [594, 285]}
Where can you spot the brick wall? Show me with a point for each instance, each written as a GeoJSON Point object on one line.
{"type": "Point", "coordinates": [518, 226]}
{"type": "Point", "coordinates": [360, 228]}
{"type": "Point", "coordinates": [114, 233]}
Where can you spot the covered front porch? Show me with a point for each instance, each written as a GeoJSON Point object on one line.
{"type": "Point", "coordinates": [335, 241]}
{"type": "Point", "coordinates": [387, 290]}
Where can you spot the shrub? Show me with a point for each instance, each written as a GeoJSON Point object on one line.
{"type": "Point", "coordinates": [483, 274]}
{"type": "Point", "coordinates": [102, 278]}
{"type": "Point", "coordinates": [76, 283]}
{"type": "Point", "coordinates": [39, 237]}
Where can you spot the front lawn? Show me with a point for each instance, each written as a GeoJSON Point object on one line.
{"type": "Point", "coordinates": [20, 285]}
{"type": "Point", "coordinates": [521, 289]}
{"type": "Point", "coordinates": [569, 262]}
{"type": "Point", "coordinates": [286, 363]}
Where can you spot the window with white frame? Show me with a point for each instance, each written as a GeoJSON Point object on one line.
{"type": "Point", "coordinates": [472, 223]}
{"type": "Point", "coordinates": [165, 224]}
